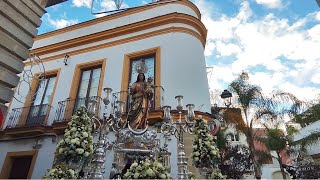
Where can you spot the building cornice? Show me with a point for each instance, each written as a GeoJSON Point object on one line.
{"type": "Point", "coordinates": [115, 16]}
{"type": "Point", "coordinates": [125, 30]}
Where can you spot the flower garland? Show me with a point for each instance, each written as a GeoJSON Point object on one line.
{"type": "Point", "coordinates": [61, 172]}
{"type": "Point", "coordinates": [147, 169]}
{"type": "Point", "coordinates": [78, 140]}
{"type": "Point", "coordinates": [76, 145]}
{"type": "Point", "coordinates": [205, 153]}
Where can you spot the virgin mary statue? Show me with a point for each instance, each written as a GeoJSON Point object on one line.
{"type": "Point", "coordinates": [141, 94]}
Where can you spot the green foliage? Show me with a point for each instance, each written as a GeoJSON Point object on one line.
{"type": "Point", "coordinates": [310, 116]}
{"type": "Point", "coordinates": [221, 140]}
{"type": "Point", "coordinates": [275, 140]}
{"type": "Point", "coordinates": [248, 93]}
{"type": "Point", "coordinates": [235, 162]}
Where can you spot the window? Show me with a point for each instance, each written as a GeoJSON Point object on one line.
{"type": "Point", "coordinates": [42, 98]}
{"type": "Point", "coordinates": [233, 137]}
{"type": "Point", "coordinates": [20, 167]}
{"type": "Point", "coordinates": [153, 62]}
{"type": "Point", "coordinates": [88, 86]}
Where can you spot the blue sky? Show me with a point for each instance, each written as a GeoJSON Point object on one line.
{"type": "Point", "coordinates": [276, 41]}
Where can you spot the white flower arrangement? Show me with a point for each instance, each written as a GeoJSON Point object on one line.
{"type": "Point", "coordinates": [78, 139]}
{"type": "Point", "coordinates": [61, 172]}
{"type": "Point", "coordinates": [205, 153]}
{"type": "Point", "coordinates": [147, 169]}
{"type": "Point", "coordinates": [76, 145]}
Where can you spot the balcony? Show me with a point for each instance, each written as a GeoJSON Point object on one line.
{"type": "Point", "coordinates": [66, 109]}
{"type": "Point", "coordinates": [28, 120]}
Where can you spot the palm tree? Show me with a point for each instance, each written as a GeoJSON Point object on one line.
{"type": "Point", "coordinates": [276, 140]}
{"type": "Point", "coordinates": [248, 99]}
{"type": "Point", "coordinates": [256, 109]}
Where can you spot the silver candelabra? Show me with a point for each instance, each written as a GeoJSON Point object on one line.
{"type": "Point", "coordinates": [178, 129]}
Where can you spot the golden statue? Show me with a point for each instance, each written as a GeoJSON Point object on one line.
{"type": "Point", "coordinates": [141, 94]}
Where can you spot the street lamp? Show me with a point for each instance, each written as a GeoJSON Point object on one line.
{"type": "Point", "coordinates": [226, 96]}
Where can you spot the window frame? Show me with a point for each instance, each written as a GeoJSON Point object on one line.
{"type": "Point", "coordinates": [31, 95]}
{"type": "Point", "coordinates": [6, 167]}
{"type": "Point", "coordinates": [126, 73]}
{"type": "Point", "coordinates": [73, 94]}
{"type": "Point", "coordinates": [91, 69]}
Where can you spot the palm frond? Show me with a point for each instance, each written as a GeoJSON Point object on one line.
{"type": "Point", "coordinates": [263, 157]}
{"type": "Point", "coordinates": [307, 140]}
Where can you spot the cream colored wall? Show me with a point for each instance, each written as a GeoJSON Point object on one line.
{"type": "Point", "coordinates": [136, 17]}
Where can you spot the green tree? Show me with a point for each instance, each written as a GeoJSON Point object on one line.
{"type": "Point", "coordinates": [257, 109]}
{"type": "Point", "coordinates": [276, 140]}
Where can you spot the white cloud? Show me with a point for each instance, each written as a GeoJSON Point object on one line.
{"type": "Point", "coordinates": [80, 3]}
{"type": "Point", "coordinates": [227, 49]}
{"type": "Point", "coordinates": [305, 93]}
{"type": "Point", "coordinates": [288, 51]}
{"type": "Point", "coordinates": [316, 78]}
{"type": "Point", "coordinates": [61, 23]}
{"type": "Point", "coordinates": [270, 3]}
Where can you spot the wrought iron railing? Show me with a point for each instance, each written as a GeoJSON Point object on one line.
{"type": "Point", "coordinates": [67, 107]}
{"type": "Point", "coordinates": [29, 116]}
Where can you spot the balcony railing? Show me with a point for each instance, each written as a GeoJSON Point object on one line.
{"type": "Point", "coordinates": [67, 107]}
{"type": "Point", "coordinates": [29, 116]}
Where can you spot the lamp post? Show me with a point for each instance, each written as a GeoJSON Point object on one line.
{"type": "Point", "coordinates": [178, 129]}
{"type": "Point", "coordinates": [226, 96]}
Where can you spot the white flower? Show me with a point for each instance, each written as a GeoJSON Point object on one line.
{"type": "Point", "coordinates": [69, 123]}
{"type": "Point", "coordinates": [133, 165]}
{"type": "Point", "coordinates": [73, 141]}
{"type": "Point", "coordinates": [86, 154]}
{"type": "Point", "coordinates": [73, 129]}
{"type": "Point", "coordinates": [196, 159]}
{"type": "Point", "coordinates": [163, 176]}
{"type": "Point", "coordinates": [85, 134]}
{"type": "Point", "coordinates": [136, 175]}
{"type": "Point", "coordinates": [80, 150]}
{"type": "Point", "coordinates": [196, 153]}
{"type": "Point", "coordinates": [71, 172]}
{"type": "Point", "coordinates": [61, 150]}
{"type": "Point", "coordinates": [150, 172]}
{"type": "Point", "coordinates": [52, 171]}
{"type": "Point", "coordinates": [127, 174]}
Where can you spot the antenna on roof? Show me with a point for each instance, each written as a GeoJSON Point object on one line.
{"type": "Point", "coordinates": [118, 3]}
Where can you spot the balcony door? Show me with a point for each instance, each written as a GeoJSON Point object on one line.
{"type": "Point", "coordinates": [88, 87]}
{"type": "Point", "coordinates": [40, 105]}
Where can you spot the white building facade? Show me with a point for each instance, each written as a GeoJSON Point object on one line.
{"type": "Point", "coordinates": [79, 61]}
